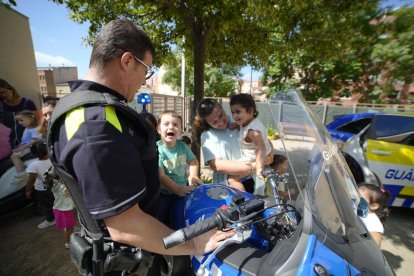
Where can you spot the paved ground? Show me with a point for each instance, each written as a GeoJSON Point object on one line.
{"type": "Point", "coordinates": [398, 243]}
{"type": "Point", "coordinates": [26, 250]}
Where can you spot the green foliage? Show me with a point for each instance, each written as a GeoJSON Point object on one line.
{"type": "Point", "coordinates": [271, 131]}
{"type": "Point", "coordinates": [218, 82]}
{"type": "Point", "coordinates": [321, 47]}
{"type": "Point", "coordinates": [395, 51]}
{"type": "Point", "coordinates": [319, 72]}
{"type": "Point", "coordinates": [378, 55]}
{"type": "Point", "coordinates": [206, 178]}
{"type": "Point", "coordinates": [220, 33]}
{"type": "Point", "coordinates": [8, 3]}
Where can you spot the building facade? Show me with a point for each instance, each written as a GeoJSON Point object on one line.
{"type": "Point", "coordinates": [53, 81]}
{"type": "Point", "coordinates": [17, 58]}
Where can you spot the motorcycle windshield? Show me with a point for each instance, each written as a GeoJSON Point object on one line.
{"type": "Point", "coordinates": [318, 179]}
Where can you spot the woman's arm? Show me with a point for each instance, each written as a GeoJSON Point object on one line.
{"type": "Point", "coordinates": [231, 167]}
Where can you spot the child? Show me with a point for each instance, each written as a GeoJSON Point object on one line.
{"type": "Point", "coordinates": [36, 169]}
{"type": "Point", "coordinates": [280, 165]}
{"type": "Point", "coordinates": [255, 147]}
{"type": "Point", "coordinates": [377, 199]}
{"type": "Point", "coordinates": [28, 120]}
{"type": "Point", "coordinates": [63, 205]}
{"type": "Point", "coordinates": [174, 158]}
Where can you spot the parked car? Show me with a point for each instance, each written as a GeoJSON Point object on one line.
{"type": "Point", "coordinates": [12, 196]}
{"type": "Point", "coordinates": [379, 149]}
{"type": "Point", "coordinates": [345, 126]}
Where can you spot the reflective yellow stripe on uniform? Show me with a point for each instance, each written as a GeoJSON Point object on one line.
{"type": "Point", "coordinates": [76, 117]}
{"type": "Point", "coordinates": [111, 117]}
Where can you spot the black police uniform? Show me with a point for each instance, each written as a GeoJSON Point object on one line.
{"type": "Point", "coordinates": [101, 149]}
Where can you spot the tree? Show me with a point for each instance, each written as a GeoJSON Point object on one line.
{"type": "Point", "coordinates": [395, 50]}
{"type": "Point", "coordinates": [378, 55]}
{"type": "Point", "coordinates": [340, 65]}
{"type": "Point", "coordinates": [216, 32]}
{"type": "Point", "coordinates": [218, 82]}
{"type": "Point", "coordinates": [230, 33]}
{"type": "Point", "coordinates": [8, 3]}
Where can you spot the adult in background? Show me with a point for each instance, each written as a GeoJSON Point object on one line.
{"type": "Point", "coordinates": [13, 103]}
{"type": "Point", "coordinates": [101, 148]}
{"type": "Point", "coordinates": [46, 115]}
{"type": "Point", "coordinates": [220, 144]}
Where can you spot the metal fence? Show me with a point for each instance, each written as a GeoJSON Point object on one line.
{"type": "Point", "coordinates": [160, 103]}
{"type": "Point", "coordinates": [325, 112]}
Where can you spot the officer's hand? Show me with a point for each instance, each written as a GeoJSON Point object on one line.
{"type": "Point", "coordinates": [207, 242]}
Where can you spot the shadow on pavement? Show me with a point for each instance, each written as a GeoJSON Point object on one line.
{"type": "Point", "coordinates": [399, 226]}
{"type": "Point", "coordinates": [398, 229]}
{"type": "Point", "coordinates": [393, 260]}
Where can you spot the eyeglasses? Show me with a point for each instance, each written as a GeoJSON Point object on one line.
{"type": "Point", "coordinates": [150, 72]}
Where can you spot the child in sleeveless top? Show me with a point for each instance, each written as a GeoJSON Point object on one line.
{"type": "Point", "coordinates": [28, 120]}
{"type": "Point", "coordinates": [377, 199]}
{"type": "Point", "coordinates": [255, 146]}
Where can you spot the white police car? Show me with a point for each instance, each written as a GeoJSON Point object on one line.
{"type": "Point", "coordinates": [383, 153]}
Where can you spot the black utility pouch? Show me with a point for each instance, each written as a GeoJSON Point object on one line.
{"type": "Point", "coordinates": [81, 253]}
{"type": "Point", "coordinates": [121, 261]}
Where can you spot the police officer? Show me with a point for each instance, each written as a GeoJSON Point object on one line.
{"type": "Point", "coordinates": [98, 146]}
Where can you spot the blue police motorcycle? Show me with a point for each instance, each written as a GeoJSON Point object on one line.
{"type": "Point", "coordinates": [315, 231]}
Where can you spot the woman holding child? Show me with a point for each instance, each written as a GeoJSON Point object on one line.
{"type": "Point", "coordinates": [11, 103]}
{"type": "Point", "coordinates": [220, 144]}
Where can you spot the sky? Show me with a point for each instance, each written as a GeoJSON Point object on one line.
{"type": "Point", "coordinates": [57, 40]}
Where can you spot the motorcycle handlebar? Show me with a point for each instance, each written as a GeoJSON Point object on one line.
{"type": "Point", "coordinates": [220, 219]}
{"type": "Point", "coordinates": [270, 176]}
{"type": "Point", "coordinates": [191, 231]}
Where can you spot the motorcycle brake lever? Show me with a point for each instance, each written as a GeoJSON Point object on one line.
{"type": "Point", "coordinates": [239, 237]}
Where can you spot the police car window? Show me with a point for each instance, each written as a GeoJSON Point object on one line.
{"type": "Point", "coordinates": [355, 126]}
{"type": "Point", "coordinates": [409, 140]}
{"type": "Point", "coordinates": [394, 129]}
